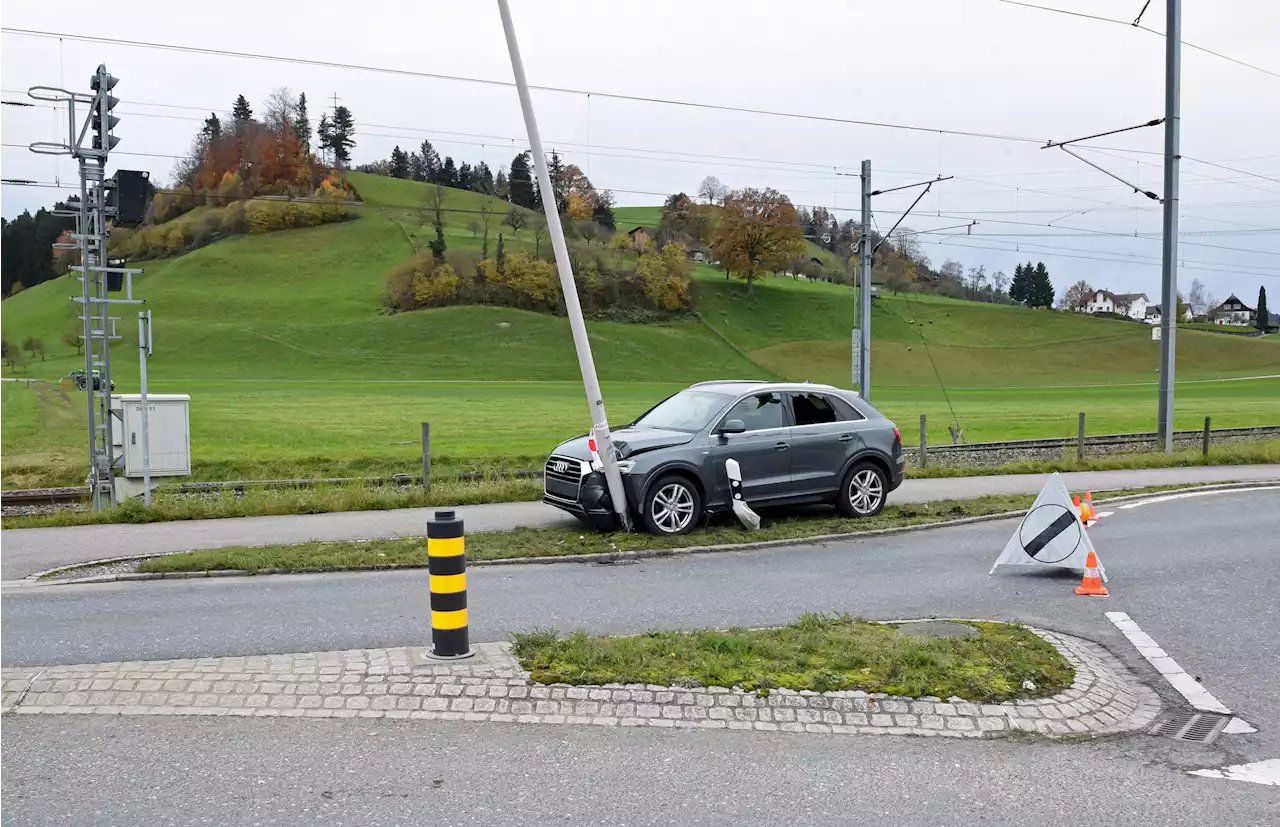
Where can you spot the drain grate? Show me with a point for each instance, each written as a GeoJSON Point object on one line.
{"type": "Point", "coordinates": [1201, 727]}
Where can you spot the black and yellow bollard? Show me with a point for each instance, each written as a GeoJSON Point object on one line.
{"type": "Point", "coordinates": [447, 565]}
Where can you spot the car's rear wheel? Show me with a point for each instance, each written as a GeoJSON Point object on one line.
{"type": "Point", "coordinates": [862, 494]}
{"type": "Point", "coordinates": [671, 507]}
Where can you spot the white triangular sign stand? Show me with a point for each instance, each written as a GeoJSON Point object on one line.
{"type": "Point", "coordinates": [741, 510]}
{"type": "Point", "coordinates": [1050, 535]}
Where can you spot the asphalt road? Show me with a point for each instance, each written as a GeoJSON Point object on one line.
{"type": "Point", "coordinates": [157, 771]}
{"type": "Point", "coordinates": [27, 551]}
{"type": "Point", "coordinates": [1198, 573]}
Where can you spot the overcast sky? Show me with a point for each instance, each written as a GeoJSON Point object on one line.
{"type": "Point", "coordinates": [968, 65]}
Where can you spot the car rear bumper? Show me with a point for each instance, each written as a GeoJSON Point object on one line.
{"type": "Point", "coordinates": [898, 472]}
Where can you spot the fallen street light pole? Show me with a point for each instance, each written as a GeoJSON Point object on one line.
{"type": "Point", "coordinates": [573, 308]}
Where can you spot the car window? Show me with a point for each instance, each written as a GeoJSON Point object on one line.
{"type": "Point", "coordinates": [813, 409]}
{"type": "Point", "coordinates": [686, 411]}
{"type": "Point", "coordinates": [759, 411]}
{"type": "Point", "coordinates": [845, 410]}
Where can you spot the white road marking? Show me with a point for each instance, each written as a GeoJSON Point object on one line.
{"type": "Point", "coordinates": [1187, 686]}
{"type": "Point", "coordinates": [1259, 772]}
{"type": "Point", "coordinates": [1102, 514]}
{"type": "Point", "coordinates": [1168, 497]}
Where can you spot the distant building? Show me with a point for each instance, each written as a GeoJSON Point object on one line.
{"type": "Point", "coordinates": [640, 237]}
{"type": "Point", "coordinates": [1233, 311]}
{"type": "Point", "coordinates": [1133, 305]}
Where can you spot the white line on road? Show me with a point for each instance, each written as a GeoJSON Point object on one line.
{"type": "Point", "coordinates": [1168, 497]}
{"type": "Point", "coordinates": [1259, 772]}
{"type": "Point", "coordinates": [1187, 686]}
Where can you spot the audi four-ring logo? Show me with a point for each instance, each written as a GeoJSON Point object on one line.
{"type": "Point", "coordinates": [560, 466]}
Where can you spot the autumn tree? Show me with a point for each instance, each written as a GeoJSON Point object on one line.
{"type": "Point", "coordinates": [712, 190]}
{"type": "Point", "coordinates": [280, 110]}
{"type": "Point", "coordinates": [538, 225]}
{"type": "Point", "coordinates": [1075, 296]}
{"type": "Point", "coordinates": [757, 232]}
{"type": "Point", "coordinates": [486, 220]}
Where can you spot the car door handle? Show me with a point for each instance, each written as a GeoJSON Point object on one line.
{"type": "Point", "coordinates": [781, 446]}
{"type": "Point", "coordinates": [846, 437]}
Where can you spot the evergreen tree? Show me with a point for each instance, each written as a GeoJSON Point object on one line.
{"type": "Point", "coordinates": [399, 163]}
{"type": "Point", "coordinates": [483, 177]}
{"type": "Point", "coordinates": [343, 134]}
{"type": "Point", "coordinates": [324, 132]}
{"type": "Point", "coordinates": [602, 214]}
{"type": "Point", "coordinates": [449, 173]}
{"type": "Point", "coordinates": [417, 170]}
{"type": "Point", "coordinates": [241, 112]}
{"type": "Point", "coordinates": [520, 183]}
{"type": "Point", "coordinates": [1018, 287]}
{"type": "Point", "coordinates": [302, 125]}
{"type": "Point", "coordinates": [1264, 316]}
{"type": "Point", "coordinates": [1041, 287]}
{"type": "Point", "coordinates": [212, 129]}
{"type": "Point", "coordinates": [555, 171]}
{"type": "Point", "coordinates": [501, 187]}
{"type": "Point", "coordinates": [430, 162]}
{"type": "Point", "coordinates": [465, 180]}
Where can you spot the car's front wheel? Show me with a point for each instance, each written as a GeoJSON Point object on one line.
{"type": "Point", "coordinates": [671, 507]}
{"type": "Point", "coordinates": [863, 492]}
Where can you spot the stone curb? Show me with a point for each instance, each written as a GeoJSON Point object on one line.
{"type": "Point", "coordinates": [1104, 699]}
{"type": "Point", "coordinates": [603, 557]}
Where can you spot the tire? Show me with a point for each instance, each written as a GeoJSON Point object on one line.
{"type": "Point", "coordinates": [672, 506]}
{"type": "Point", "coordinates": [863, 491]}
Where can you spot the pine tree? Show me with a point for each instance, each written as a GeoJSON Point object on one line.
{"type": "Point", "coordinates": [302, 125]}
{"type": "Point", "coordinates": [501, 187]}
{"type": "Point", "coordinates": [324, 132]}
{"type": "Point", "coordinates": [1018, 287]}
{"type": "Point", "coordinates": [212, 129]}
{"type": "Point", "coordinates": [555, 171]}
{"type": "Point", "coordinates": [241, 112]}
{"type": "Point", "coordinates": [465, 180]}
{"type": "Point", "coordinates": [483, 179]}
{"type": "Point", "coordinates": [1264, 316]}
{"type": "Point", "coordinates": [399, 163]}
{"type": "Point", "coordinates": [449, 173]}
{"type": "Point", "coordinates": [417, 170]}
{"type": "Point", "coordinates": [520, 183]}
{"type": "Point", "coordinates": [343, 135]}
{"type": "Point", "coordinates": [1041, 287]}
{"type": "Point", "coordinates": [430, 162]}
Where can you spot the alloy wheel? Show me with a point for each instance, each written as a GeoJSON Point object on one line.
{"type": "Point", "coordinates": [672, 508]}
{"type": "Point", "coordinates": [866, 491]}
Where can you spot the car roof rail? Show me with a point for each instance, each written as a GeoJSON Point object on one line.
{"type": "Point", "coordinates": [730, 382]}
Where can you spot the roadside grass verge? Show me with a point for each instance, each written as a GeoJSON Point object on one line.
{"type": "Point", "coordinates": [821, 653]}
{"type": "Point", "coordinates": [565, 541]}
{"type": "Point", "coordinates": [169, 505]}
{"type": "Point", "coordinates": [1248, 453]}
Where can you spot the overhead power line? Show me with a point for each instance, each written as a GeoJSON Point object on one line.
{"type": "Point", "coordinates": [718, 107]}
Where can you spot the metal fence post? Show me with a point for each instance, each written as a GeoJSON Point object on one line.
{"type": "Point", "coordinates": [1206, 436]}
{"type": "Point", "coordinates": [426, 456]}
{"type": "Point", "coordinates": [1080, 440]}
{"type": "Point", "coordinates": [447, 568]}
{"type": "Point", "coordinates": [924, 442]}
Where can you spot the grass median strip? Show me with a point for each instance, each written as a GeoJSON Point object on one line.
{"type": "Point", "coordinates": [821, 653]}
{"type": "Point", "coordinates": [559, 542]}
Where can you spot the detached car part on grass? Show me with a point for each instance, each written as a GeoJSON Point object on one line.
{"type": "Point", "coordinates": [796, 443]}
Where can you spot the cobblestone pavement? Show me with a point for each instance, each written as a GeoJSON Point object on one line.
{"type": "Point", "coordinates": [406, 683]}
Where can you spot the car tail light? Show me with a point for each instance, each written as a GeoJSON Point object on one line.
{"type": "Point", "coordinates": [897, 435]}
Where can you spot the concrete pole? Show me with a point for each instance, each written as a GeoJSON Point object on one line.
{"type": "Point", "coordinates": [864, 288]}
{"type": "Point", "coordinates": [573, 309]}
{"type": "Point", "coordinates": [1169, 253]}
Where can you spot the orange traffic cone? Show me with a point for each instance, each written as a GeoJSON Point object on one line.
{"type": "Point", "coordinates": [1092, 582]}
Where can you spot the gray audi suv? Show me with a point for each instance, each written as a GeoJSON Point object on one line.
{"type": "Point", "coordinates": [795, 443]}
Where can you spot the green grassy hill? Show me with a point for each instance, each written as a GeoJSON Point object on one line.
{"type": "Point", "coordinates": [294, 369]}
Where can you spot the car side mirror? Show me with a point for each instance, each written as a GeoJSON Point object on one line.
{"type": "Point", "coordinates": [733, 426]}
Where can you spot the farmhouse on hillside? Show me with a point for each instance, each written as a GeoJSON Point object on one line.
{"type": "Point", "coordinates": [1154, 313]}
{"type": "Point", "coordinates": [640, 237]}
{"type": "Point", "coordinates": [1233, 311]}
{"type": "Point", "coordinates": [1133, 305]}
